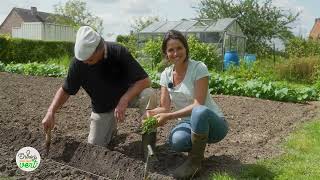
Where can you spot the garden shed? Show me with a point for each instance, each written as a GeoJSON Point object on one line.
{"type": "Point", "coordinates": [225, 33]}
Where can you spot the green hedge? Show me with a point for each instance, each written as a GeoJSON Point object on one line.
{"type": "Point", "coordinates": [24, 51]}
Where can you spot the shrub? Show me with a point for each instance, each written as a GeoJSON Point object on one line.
{"type": "Point", "coordinates": [262, 68]}
{"type": "Point", "coordinates": [299, 69]}
{"type": "Point", "coordinates": [204, 52]}
{"type": "Point", "coordinates": [298, 47]}
{"type": "Point", "coordinates": [23, 51]}
{"type": "Point", "coordinates": [162, 65]}
{"type": "Point", "coordinates": [130, 42]}
{"type": "Point", "coordinates": [154, 76]}
{"type": "Point", "coordinates": [152, 48]}
{"type": "Point", "coordinates": [199, 51]}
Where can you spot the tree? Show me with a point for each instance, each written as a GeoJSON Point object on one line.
{"type": "Point", "coordinates": [75, 13]}
{"type": "Point", "coordinates": [142, 22]}
{"type": "Point", "coordinates": [259, 20]}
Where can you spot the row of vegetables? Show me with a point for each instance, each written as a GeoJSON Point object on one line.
{"type": "Point", "coordinates": [219, 84]}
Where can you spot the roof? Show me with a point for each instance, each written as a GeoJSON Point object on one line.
{"type": "Point", "coordinates": [200, 25]}
{"type": "Point", "coordinates": [27, 15]}
{"type": "Point", "coordinates": [221, 24]}
{"type": "Point", "coordinates": [315, 32]}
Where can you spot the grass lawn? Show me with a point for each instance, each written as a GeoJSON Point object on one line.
{"type": "Point", "coordinates": [301, 159]}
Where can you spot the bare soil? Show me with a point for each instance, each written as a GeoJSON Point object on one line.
{"type": "Point", "coordinates": [257, 127]}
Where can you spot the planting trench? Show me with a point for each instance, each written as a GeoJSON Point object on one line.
{"type": "Point", "coordinates": [92, 161]}
{"type": "Point", "coordinates": [256, 128]}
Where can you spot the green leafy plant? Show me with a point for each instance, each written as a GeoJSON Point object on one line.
{"type": "Point", "coordinates": [149, 125]}
{"type": "Point", "coordinates": [36, 69]}
{"type": "Point", "coordinates": [260, 88]}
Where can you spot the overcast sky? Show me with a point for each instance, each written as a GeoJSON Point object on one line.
{"type": "Point", "coordinates": [118, 15]}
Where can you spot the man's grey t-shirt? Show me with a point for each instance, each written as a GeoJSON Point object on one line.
{"type": "Point", "coordinates": [182, 94]}
{"type": "Point", "coordinates": [106, 81]}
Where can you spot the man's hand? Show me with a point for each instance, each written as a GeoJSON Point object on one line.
{"type": "Point", "coordinates": [48, 121]}
{"type": "Point", "coordinates": [120, 110]}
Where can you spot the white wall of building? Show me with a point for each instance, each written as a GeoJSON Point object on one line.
{"type": "Point", "coordinates": [46, 32]}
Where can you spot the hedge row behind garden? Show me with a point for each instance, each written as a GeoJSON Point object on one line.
{"type": "Point", "coordinates": [24, 51]}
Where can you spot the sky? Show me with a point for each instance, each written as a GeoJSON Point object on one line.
{"type": "Point", "coordinates": [118, 15]}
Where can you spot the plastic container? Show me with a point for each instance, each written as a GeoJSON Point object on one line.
{"type": "Point", "coordinates": [230, 58]}
{"type": "Point", "coordinates": [250, 58]}
{"type": "Point", "coordinates": [148, 139]}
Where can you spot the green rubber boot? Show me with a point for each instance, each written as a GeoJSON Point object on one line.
{"type": "Point", "coordinates": [193, 164]}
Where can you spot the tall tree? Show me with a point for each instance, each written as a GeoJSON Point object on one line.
{"type": "Point", "coordinates": [75, 13]}
{"type": "Point", "coordinates": [142, 22]}
{"type": "Point", "coordinates": [260, 20]}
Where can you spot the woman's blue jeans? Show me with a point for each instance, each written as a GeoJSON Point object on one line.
{"type": "Point", "coordinates": [203, 121]}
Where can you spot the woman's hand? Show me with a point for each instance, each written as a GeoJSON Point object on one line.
{"type": "Point", "coordinates": [162, 118]}
{"type": "Point", "coordinates": [147, 114]}
{"type": "Point", "coordinates": [150, 113]}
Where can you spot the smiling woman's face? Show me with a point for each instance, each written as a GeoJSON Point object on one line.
{"type": "Point", "coordinates": [176, 52]}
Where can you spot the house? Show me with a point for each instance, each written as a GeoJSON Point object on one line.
{"type": "Point", "coordinates": [225, 33]}
{"type": "Point", "coordinates": [33, 24]}
{"type": "Point", "coordinates": [315, 31]}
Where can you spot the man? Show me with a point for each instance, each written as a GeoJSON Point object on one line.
{"type": "Point", "coordinates": [112, 78]}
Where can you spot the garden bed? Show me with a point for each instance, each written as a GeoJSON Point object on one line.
{"type": "Point", "coordinates": [256, 128]}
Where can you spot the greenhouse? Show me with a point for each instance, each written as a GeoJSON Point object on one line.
{"type": "Point", "coordinates": [225, 33]}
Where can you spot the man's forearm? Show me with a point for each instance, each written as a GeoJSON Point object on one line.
{"type": "Point", "coordinates": [136, 89]}
{"type": "Point", "coordinates": [59, 99]}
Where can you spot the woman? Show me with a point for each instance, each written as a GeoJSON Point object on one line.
{"type": "Point", "coordinates": [185, 84]}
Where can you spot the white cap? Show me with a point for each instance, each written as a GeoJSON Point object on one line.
{"type": "Point", "coordinates": [87, 41]}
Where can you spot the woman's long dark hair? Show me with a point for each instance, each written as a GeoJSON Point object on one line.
{"type": "Point", "coordinates": [173, 34]}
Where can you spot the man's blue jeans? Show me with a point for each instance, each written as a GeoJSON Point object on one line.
{"type": "Point", "coordinates": [203, 121]}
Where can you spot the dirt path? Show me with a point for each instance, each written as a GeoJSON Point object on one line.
{"type": "Point", "coordinates": [256, 128]}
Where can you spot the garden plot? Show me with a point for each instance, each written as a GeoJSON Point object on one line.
{"type": "Point", "coordinates": [256, 128]}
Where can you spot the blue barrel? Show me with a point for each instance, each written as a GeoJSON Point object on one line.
{"type": "Point", "coordinates": [230, 58]}
{"type": "Point", "coordinates": [249, 58]}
